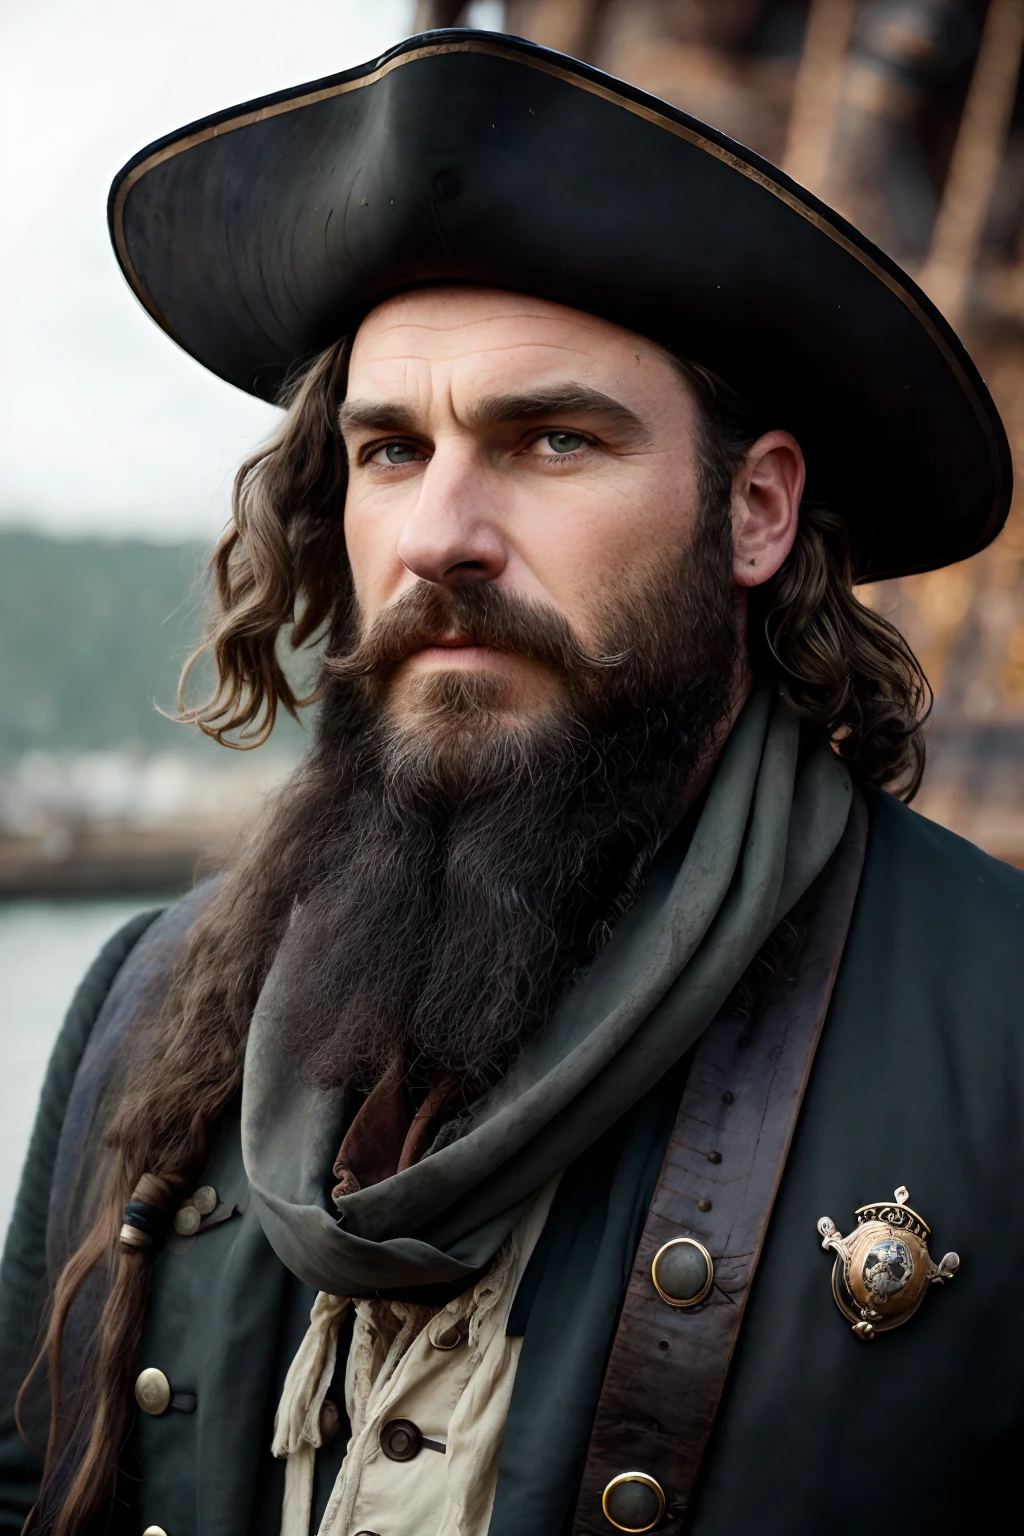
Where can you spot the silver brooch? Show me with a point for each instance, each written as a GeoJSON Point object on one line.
{"type": "Point", "coordinates": [883, 1268]}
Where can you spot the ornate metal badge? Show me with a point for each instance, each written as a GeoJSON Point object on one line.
{"type": "Point", "coordinates": [883, 1268]}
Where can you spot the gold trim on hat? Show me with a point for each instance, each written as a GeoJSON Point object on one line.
{"type": "Point", "coordinates": [608, 93]}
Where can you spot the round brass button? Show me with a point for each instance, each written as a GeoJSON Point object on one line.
{"type": "Point", "coordinates": [205, 1200]}
{"type": "Point", "coordinates": [186, 1221]}
{"type": "Point", "coordinates": [152, 1391]}
{"type": "Point", "coordinates": [633, 1502]}
{"type": "Point", "coordinates": [682, 1272]}
{"type": "Point", "coordinates": [401, 1440]}
{"type": "Point", "coordinates": [154, 1530]}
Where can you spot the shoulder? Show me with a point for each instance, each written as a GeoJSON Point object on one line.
{"type": "Point", "coordinates": [143, 958]}
{"type": "Point", "coordinates": [89, 998]}
{"type": "Point", "coordinates": [23, 1268]}
{"type": "Point", "coordinates": [28, 1220]}
{"type": "Point", "coordinates": [153, 958]}
{"type": "Point", "coordinates": [136, 965]}
{"type": "Point", "coordinates": [78, 1029]}
{"type": "Point", "coordinates": [912, 858]}
{"type": "Point", "coordinates": [134, 970]}
{"type": "Point", "coordinates": [936, 918]}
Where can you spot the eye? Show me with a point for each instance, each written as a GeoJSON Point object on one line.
{"type": "Point", "coordinates": [563, 442]}
{"type": "Point", "coordinates": [395, 453]}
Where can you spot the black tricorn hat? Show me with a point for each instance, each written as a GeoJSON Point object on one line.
{"type": "Point", "coordinates": [264, 233]}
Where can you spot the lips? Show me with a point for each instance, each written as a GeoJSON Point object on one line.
{"type": "Point", "coordinates": [455, 652]}
{"type": "Point", "coordinates": [450, 642]}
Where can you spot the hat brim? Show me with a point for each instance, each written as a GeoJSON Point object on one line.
{"type": "Point", "coordinates": [264, 233]}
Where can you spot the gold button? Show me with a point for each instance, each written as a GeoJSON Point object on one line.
{"type": "Point", "coordinates": [154, 1530]}
{"type": "Point", "coordinates": [186, 1221]}
{"type": "Point", "coordinates": [152, 1391]}
{"type": "Point", "coordinates": [633, 1502]}
{"type": "Point", "coordinates": [205, 1200]}
{"type": "Point", "coordinates": [682, 1271]}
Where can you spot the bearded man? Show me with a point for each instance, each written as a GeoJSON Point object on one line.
{"type": "Point", "coordinates": [414, 1175]}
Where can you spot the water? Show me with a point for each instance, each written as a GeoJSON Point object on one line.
{"type": "Point", "coordinates": [45, 949]}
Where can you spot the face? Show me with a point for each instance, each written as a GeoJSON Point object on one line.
{"type": "Point", "coordinates": [503, 440]}
{"type": "Point", "coordinates": [547, 661]}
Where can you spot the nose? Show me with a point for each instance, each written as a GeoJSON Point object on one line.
{"type": "Point", "coordinates": [454, 533]}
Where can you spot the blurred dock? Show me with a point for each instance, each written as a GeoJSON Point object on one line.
{"type": "Point", "coordinates": [110, 824]}
{"type": "Point", "coordinates": [91, 861]}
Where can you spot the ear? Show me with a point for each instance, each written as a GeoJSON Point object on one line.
{"type": "Point", "coordinates": [766, 494]}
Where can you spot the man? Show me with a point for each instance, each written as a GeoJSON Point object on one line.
{"type": "Point", "coordinates": [414, 1176]}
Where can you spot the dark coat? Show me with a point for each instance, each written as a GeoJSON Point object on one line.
{"type": "Point", "coordinates": [919, 1080]}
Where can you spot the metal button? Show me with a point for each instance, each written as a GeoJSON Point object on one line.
{"type": "Point", "coordinates": [633, 1502]}
{"type": "Point", "coordinates": [152, 1391]}
{"type": "Point", "coordinates": [186, 1221]}
{"type": "Point", "coordinates": [205, 1200]}
{"type": "Point", "coordinates": [401, 1440]}
{"type": "Point", "coordinates": [682, 1272]}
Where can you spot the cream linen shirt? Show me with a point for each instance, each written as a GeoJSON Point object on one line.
{"type": "Point", "coordinates": [450, 1371]}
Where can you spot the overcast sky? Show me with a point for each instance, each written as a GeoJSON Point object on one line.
{"type": "Point", "coordinates": [107, 427]}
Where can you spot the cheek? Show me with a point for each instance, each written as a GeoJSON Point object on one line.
{"type": "Point", "coordinates": [609, 543]}
{"type": "Point", "coordinates": [371, 555]}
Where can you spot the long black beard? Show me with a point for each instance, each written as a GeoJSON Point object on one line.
{"type": "Point", "coordinates": [455, 877]}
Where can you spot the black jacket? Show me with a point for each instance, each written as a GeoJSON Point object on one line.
{"type": "Point", "coordinates": [919, 1080]}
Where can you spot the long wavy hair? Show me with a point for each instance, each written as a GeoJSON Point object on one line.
{"type": "Point", "coordinates": [279, 571]}
{"type": "Point", "coordinates": [282, 565]}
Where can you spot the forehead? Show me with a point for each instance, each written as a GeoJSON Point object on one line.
{"type": "Point", "coordinates": [473, 332]}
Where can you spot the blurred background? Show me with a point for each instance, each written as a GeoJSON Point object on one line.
{"type": "Point", "coordinates": [115, 475]}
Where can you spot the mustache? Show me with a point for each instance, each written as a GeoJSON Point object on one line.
{"type": "Point", "coordinates": [479, 614]}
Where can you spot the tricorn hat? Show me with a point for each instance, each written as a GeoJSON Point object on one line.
{"type": "Point", "coordinates": [264, 233]}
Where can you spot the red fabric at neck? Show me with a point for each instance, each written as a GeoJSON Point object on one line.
{"type": "Point", "coordinates": [388, 1134]}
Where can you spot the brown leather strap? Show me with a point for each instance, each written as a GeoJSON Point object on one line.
{"type": "Point", "coordinates": [718, 1183]}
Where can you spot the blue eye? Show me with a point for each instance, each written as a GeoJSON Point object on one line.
{"type": "Point", "coordinates": [400, 453]}
{"type": "Point", "coordinates": [564, 442]}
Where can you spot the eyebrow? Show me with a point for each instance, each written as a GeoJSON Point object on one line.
{"type": "Point", "coordinates": [493, 410]}
{"type": "Point", "coordinates": [376, 415]}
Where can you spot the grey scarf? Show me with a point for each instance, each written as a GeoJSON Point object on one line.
{"type": "Point", "coordinates": [766, 830]}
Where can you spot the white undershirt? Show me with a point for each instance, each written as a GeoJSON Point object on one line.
{"type": "Point", "coordinates": [450, 1371]}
